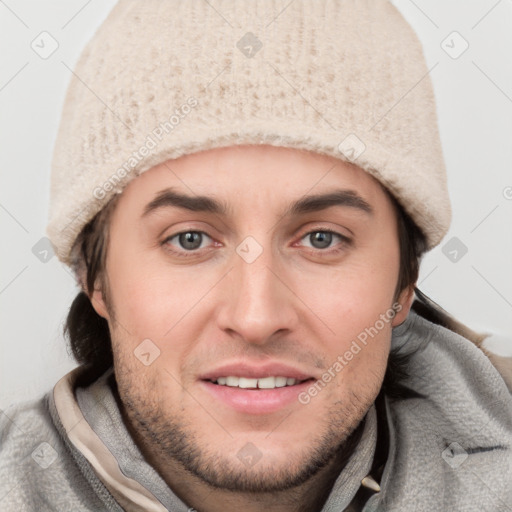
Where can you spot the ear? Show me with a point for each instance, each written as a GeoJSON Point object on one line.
{"type": "Point", "coordinates": [98, 303]}
{"type": "Point", "coordinates": [405, 300]}
{"type": "Point", "coordinates": [97, 300]}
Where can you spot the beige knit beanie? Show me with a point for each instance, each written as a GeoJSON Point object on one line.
{"type": "Point", "coordinates": [163, 78]}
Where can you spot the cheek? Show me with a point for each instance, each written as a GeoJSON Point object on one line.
{"type": "Point", "coordinates": [359, 349]}
{"type": "Point", "coordinates": [351, 297]}
{"type": "Point", "coordinates": [149, 300]}
{"type": "Point", "coordinates": [355, 303]}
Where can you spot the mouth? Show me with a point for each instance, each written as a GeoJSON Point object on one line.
{"type": "Point", "coordinates": [255, 390]}
{"type": "Point", "coordinates": [250, 383]}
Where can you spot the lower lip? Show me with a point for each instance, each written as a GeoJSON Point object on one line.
{"type": "Point", "coordinates": [256, 401]}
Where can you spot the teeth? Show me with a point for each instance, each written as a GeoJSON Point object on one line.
{"type": "Point", "coordinates": [264, 383]}
{"type": "Point", "coordinates": [247, 383]}
{"type": "Point", "coordinates": [267, 383]}
{"type": "Point", "coordinates": [232, 381]}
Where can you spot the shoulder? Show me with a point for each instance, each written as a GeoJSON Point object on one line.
{"type": "Point", "coordinates": [28, 447]}
{"type": "Point", "coordinates": [502, 363]}
{"type": "Point", "coordinates": [462, 410]}
{"type": "Point", "coordinates": [37, 471]}
{"type": "Point", "coordinates": [468, 348]}
{"type": "Point", "coordinates": [456, 372]}
{"type": "Point", "coordinates": [22, 428]}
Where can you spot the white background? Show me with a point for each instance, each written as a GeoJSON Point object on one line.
{"type": "Point", "coordinates": [474, 96]}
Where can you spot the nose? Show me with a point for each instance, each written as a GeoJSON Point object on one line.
{"type": "Point", "coordinates": [259, 302]}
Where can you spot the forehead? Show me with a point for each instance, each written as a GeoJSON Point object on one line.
{"type": "Point", "coordinates": [245, 175]}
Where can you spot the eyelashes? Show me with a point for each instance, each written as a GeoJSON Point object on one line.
{"type": "Point", "coordinates": [193, 240]}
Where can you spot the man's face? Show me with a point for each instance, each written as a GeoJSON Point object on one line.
{"type": "Point", "coordinates": [257, 291]}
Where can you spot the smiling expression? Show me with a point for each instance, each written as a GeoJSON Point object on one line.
{"type": "Point", "coordinates": [246, 272]}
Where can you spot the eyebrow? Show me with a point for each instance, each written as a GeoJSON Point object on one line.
{"type": "Point", "coordinates": [170, 197]}
{"type": "Point", "coordinates": [341, 197]}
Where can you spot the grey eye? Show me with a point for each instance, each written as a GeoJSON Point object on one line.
{"type": "Point", "coordinates": [320, 239]}
{"type": "Point", "coordinates": [190, 240]}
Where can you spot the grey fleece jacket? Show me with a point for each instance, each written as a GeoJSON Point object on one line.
{"type": "Point", "coordinates": [449, 451]}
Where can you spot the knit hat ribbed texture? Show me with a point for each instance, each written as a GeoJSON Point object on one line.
{"type": "Point", "coordinates": [164, 78]}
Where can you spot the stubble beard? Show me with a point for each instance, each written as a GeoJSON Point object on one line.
{"type": "Point", "coordinates": [173, 442]}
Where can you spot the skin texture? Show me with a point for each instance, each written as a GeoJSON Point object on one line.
{"type": "Point", "coordinates": [301, 302]}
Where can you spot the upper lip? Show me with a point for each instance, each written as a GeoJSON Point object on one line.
{"type": "Point", "coordinates": [244, 369]}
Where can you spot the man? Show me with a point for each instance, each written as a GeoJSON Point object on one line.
{"type": "Point", "coordinates": [244, 194]}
